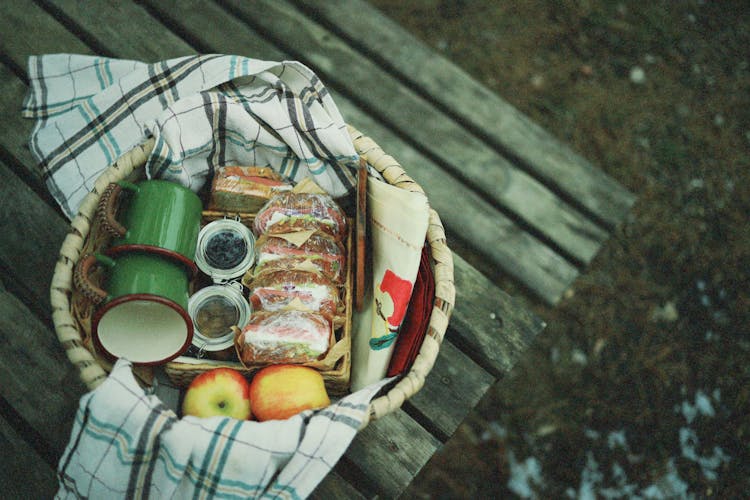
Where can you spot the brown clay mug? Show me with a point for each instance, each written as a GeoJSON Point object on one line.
{"type": "Point", "coordinates": [142, 308]}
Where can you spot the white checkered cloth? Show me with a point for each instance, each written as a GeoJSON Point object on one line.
{"type": "Point", "coordinates": [127, 444]}
{"type": "Point", "coordinates": [205, 112]}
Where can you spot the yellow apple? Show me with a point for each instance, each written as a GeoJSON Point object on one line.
{"type": "Point", "coordinates": [279, 391]}
{"type": "Point", "coordinates": [218, 392]}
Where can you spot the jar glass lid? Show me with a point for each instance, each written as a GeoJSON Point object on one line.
{"type": "Point", "coordinates": [226, 249]}
{"type": "Point", "coordinates": [215, 316]}
{"type": "Point", "coordinates": [215, 310]}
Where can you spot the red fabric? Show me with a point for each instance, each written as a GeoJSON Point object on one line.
{"type": "Point", "coordinates": [399, 290]}
{"type": "Point", "coordinates": [415, 324]}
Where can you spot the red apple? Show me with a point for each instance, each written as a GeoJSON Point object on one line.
{"type": "Point", "coordinates": [279, 391]}
{"type": "Point", "coordinates": [218, 392]}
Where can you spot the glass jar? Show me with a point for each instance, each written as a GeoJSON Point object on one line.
{"type": "Point", "coordinates": [215, 310]}
{"type": "Point", "coordinates": [225, 250]}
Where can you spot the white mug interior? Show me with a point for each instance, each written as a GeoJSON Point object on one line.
{"type": "Point", "coordinates": [143, 331]}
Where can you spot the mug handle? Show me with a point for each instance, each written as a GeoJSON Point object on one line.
{"type": "Point", "coordinates": [81, 277]}
{"type": "Point", "coordinates": [105, 211]}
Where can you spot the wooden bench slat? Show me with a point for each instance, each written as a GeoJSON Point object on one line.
{"type": "Point", "coordinates": [32, 235]}
{"type": "Point", "coordinates": [155, 39]}
{"type": "Point", "coordinates": [147, 39]}
{"type": "Point", "coordinates": [392, 451]}
{"type": "Point", "coordinates": [335, 486]}
{"type": "Point", "coordinates": [454, 385]}
{"type": "Point", "coordinates": [28, 37]}
{"type": "Point", "coordinates": [412, 116]}
{"type": "Point", "coordinates": [466, 98]}
{"type": "Point", "coordinates": [38, 381]}
{"type": "Point", "coordinates": [16, 138]}
{"type": "Point", "coordinates": [26, 475]}
{"type": "Point", "coordinates": [506, 328]}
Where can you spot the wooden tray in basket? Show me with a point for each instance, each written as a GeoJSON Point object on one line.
{"type": "Point", "coordinates": [335, 366]}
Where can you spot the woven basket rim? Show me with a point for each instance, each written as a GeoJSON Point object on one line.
{"type": "Point", "coordinates": [93, 374]}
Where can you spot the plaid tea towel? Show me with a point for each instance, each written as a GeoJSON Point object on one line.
{"type": "Point", "coordinates": [127, 444]}
{"type": "Point", "coordinates": [205, 111]}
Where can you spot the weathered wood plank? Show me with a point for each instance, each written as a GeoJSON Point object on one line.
{"type": "Point", "coordinates": [38, 381]}
{"type": "Point", "coordinates": [27, 24]}
{"type": "Point", "coordinates": [466, 155]}
{"type": "Point", "coordinates": [454, 386]}
{"type": "Point", "coordinates": [32, 33]}
{"type": "Point", "coordinates": [16, 137]}
{"type": "Point", "coordinates": [32, 234]}
{"type": "Point", "coordinates": [334, 486]}
{"type": "Point", "coordinates": [26, 475]}
{"type": "Point", "coordinates": [147, 39]}
{"type": "Point", "coordinates": [500, 240]}
{"type": "Point", "coordinates": [26, 40]}
{"type": "Point", "coordinates": [392, 451]}
{"type": "Point", "coordinates": [473, 103]}
{"type": "Point", "coordinates": [16, 134]}
{"type": "Point", "coordinates": [507, 327]}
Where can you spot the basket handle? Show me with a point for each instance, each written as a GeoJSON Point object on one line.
{"type": "Point", "coordinates": [83, 282]}
{"type": "Point", "coordinates": [105, 211]}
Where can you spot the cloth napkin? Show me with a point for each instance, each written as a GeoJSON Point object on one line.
{"type": "Point", "coordinates": [205, 111]}
{"type": "Point", "coordinates": [396, 243]}
{"type": "Point", "coordinates": [126, 444]}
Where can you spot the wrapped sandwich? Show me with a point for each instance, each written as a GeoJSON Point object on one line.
{"type": "Point", "coordinates": [290, 211]}
{"type": "Point", "coordinates": [309, 291]}
{"type": "Point", "coordinates": [245, 189]}
{"type": "Point", "coordinates": [283, 337]}
{"type": "Point", "coordinates": [320, 252]}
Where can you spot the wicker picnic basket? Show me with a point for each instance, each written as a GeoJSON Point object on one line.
{"type": "Point", "coordinates": [71, 321]}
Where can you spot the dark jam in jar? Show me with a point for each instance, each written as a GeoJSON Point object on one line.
{"type": "Point", "coordinates": [225, 250]}
{"type": "Point", "coordinates": [215, 316]}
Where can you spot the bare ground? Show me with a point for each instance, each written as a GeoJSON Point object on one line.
{"type": "Point", "coordinates": [640, 385]}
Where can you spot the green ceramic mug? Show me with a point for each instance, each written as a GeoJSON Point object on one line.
{"type": "Point", "coordinates": [142, 314]}
{"type": "Point", "coordinates": [153, 213]}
